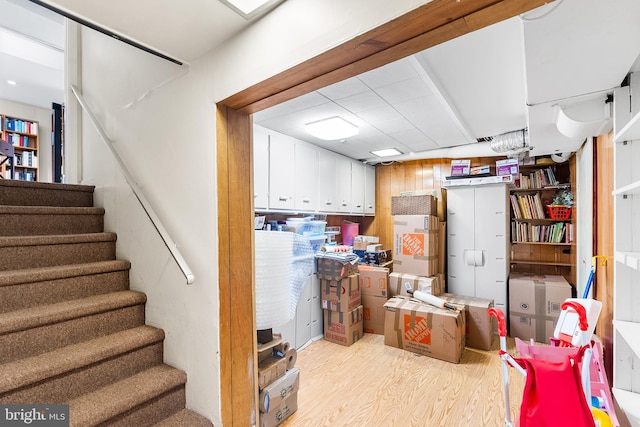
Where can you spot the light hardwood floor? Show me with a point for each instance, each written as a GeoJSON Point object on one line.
{"type": "Point", "coordinates": [371, 384]}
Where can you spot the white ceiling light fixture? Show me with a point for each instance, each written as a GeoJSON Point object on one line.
{"type": "Point", "coordinates": [251, 8]}
{"type": "Point", "coordinates": [331, 129]}
{"type": "Point", "coordinates": [11, 82]}
{"type": "Point", "coordinates": [387, 152]}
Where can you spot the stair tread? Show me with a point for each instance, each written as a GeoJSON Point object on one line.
{"type": "Point", "coordinates": [31, 275]}
{"type": "Point", "coordinates": [101, 405]}
{"type": "Point", "coordinates": [185, 418]}
{"type": "Point", "coordinates": [28, 318]}
{"type": "Point", "coordinates": [56, 239]}
{"type": "Point", "coordinates": [51, 210]}
{"type": "Point", "coordinates": [47, 185]}
{"type": "Point", "coordinates": [30, 370]}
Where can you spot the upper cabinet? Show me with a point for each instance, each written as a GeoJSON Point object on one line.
{"type": "Point", "coordinates": [293, 175]}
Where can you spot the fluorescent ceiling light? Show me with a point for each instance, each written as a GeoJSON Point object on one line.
{"type": "Point", "coordinates": [250, 8]}
{"type": "Point", "coordinates": [386, 152]}
{"type": "Point", "coordinates": [332, 128]}
{"type": "Point", "coordinates": [11, 82]}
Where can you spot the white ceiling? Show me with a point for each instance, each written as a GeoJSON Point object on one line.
{"type": "Point", "coordinates": [510, 76]}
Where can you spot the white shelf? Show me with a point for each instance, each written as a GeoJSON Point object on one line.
{"type": "Point", "coordinates": [630, 131]}
{"type": "Point", "coordinates": [633, 188]}
{"type": "Point", "coordinates": [630, 332]}
{"type": "Point", "coordinates": [629, 402]}
{"type": "Point", "coordinates": [630, 259]}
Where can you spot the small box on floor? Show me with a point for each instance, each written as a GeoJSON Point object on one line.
{"type": "Point", "coordinates": [273, 394]}
{"type": "Point", "coordinates": [425, 329]}
{"type": "Point", "coordinates": [271, 369]}
{"type": "Point", "coordinates": [377, 258]}
{"type": "Point", "coordinates": [415, 244]}
{"type": "Point", "coordinates": [281, 412]}
{"type": "Point", "coordinates": [374, 280]}
{"type": "Point", "coordinates": [534, 305]}
{"type": "Point", "coordinates": [343, 328]}
{"type": "Point", "coordinates": [480, 327]}
{"type": "Point", "coordinates": [341, 295]}
{"type": "Point", "coordinates": [334, 269]}
{"type": "Point", "coordinates": [373, 313]}
{"type": "Point", "coordinates": [398, 283]}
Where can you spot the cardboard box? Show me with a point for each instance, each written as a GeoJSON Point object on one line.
{"type": "Point", "coordinates": [415, 243]}
{"type": "Point", "coordinates": [278, 414]}
{"type": "Point", "coordinates": [343, 328]}
{"type": "Point", "coordinates": [440, 194]}
{"type": "Point", "coordinates": [334, 269]}
{"type": "Point", "coordinates": [507, 167]}
{"type": "Point", "coordinates": [460, 167]}
{"type": "Point", "coordinates": [377, 258]}
{"type": "Point", "coordinates": [481, 170]}
{"type": "Point", "coordinates": [341, 295]}
{"type": "Point", "coordinates": [270, 370]}
{"type": "Point", "coordinates": [273, 394]}
{"type": "Point", "coordinates": [534, 305]}
{"type": "Point", "coordinates": [425, 329]}
{"type": "Point", "coordinates": [480, 328]}
{"type": "Point", "coordinates": [360, 242]}
{"type": "Point", "coordinates": [374, 280]}
{"type": "Point", "coordinates": [398, 284]}
{"type": "Point", "coordinates": [414, 205]}
{"type": "Point", "coordinates": [442, 249]}
{"type": "Point", "coordinates": [373, 313]}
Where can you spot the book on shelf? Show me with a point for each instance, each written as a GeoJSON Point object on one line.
{"type": "Point", "coordinates": [559, 232]}
{"type": "Point", "coordinates": [527, 206]}
{"type": "Point", "coordinates": [538, 179]}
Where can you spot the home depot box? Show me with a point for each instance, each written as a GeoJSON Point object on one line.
{"type": "Point", "coordinates": [414, 205]}
{"type": "Point", "coordinates": [273, 394]}
{"type": "Point", "coordinates": [373, 313]}
{"type": "Point", "coordinates": [422, 328]}
{"type": "Point", "coordinates": [334, 269]}
{"type": "Point", "coordinates": [479, 326]}
{"type": "Point", "coordinates": [343, 328]}
{"type": "Point", "coordinates": [341, 295]}
{"type": "Point", "coordinates": [534, 305]}
{"type": "Point", "coordinates": [374, 280]}
{"type": "Point", "coordinates": [279, 413]}
{"type": "Point", "coordinates": [415, 244]}
{"type": "Point", "coordinates": [398, 283]}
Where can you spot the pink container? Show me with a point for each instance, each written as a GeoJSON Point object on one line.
{"type": "Point", "coordinates": [349, 230]}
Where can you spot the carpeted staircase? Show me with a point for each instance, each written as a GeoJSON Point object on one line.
{"type": "Point", "coordinates": [71, 331]}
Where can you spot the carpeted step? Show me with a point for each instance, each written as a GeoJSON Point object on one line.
{"type": "Point", "coordinates": [20, 289]}
{"type": "Point", "coordinates": [46, 220]}
{"type": "Point", "coordinates": [68, 372]}
{"type": "Point", "coordinates": [140, 400]}
{"type": "Point", "coordinates": [18, 252]}
{"type": "Point", "coordinates": [185, 418]}
{"type": "Point", "coordinates": [23, 193]}
{"type": "Point", "coordinates": [34, 331]}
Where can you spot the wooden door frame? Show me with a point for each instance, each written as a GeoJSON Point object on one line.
{"type": "Point", "coordinates": [433, 23]}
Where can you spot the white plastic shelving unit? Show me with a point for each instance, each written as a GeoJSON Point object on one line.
{"type": "Point", "coordinates": [626, 315]}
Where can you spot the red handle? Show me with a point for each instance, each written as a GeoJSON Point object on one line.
{"type": "Point", "coordinates": [582, 313]}
{"type": "Point", "coordinates": [502, 325]}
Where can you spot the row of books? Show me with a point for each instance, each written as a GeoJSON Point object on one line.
{"type": "Point", "coordinates": [20, 175]}
{"type": "Point", "coordinates": [527, 206]}
{"type": "Point", "coordinates": [18, 140]}
{"type": "Point", "coordinates": [23, 126]}
{"type": "Point", "coordinates": [559, 232]}
{"type": "Point", "coordinates": [538, 179]}
{"type": "Point", "coordinates": [26, 158]}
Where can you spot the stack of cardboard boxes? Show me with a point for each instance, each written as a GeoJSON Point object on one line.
{"type": "Point", "coordinates": [341, 301]}
{"type": "Point", "coordinates": [278, 381]}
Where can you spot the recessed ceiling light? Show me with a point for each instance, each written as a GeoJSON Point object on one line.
{"type": "Point", "coordinates": [332, 129]}
{"type": "Point", "coordinates": [386, 152]}
{"type": "Point", "coordinates": [250, 8]}
{"type": "Point", "coordinates": [11, 82]}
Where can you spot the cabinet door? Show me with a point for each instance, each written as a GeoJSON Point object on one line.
{"type": "Point", "coordinates": [461, 241]}
{"type": "Point", "coordinates": [369, 190]}
{"type": "Point", "coordinates": [306, 177]}
{"type": "Point", "coordinates": [491, 237]}
{"type": "Point", "coordinates": [281, 171]}
{"type": "Point", "coordinates": [343, 176]}
{"type": "Point", "coordinates": [303, 316]}
{"type": "Point", "coordinates": [260, 169]}
{"type": "Point", "coordinates": [327, 182]}
{"type": "Point", "coordinates": [357, 187]}
{"type": "Point", "coordinates": [317, 315]}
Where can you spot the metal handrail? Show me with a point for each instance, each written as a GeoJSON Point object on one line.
{"type": "Point", "coordinates": [168, 241]}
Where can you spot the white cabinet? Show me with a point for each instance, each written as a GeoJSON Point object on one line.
{"type": "Point", "coordinates": [478, 245]}
{"type": "Point", "coordinates": [343, 176]}
{"type": "Point", "coordinates": [327, 198]}
{"type": "Point", "coordinates": [626, 289]}
{"type": "Point", "coordinates": [260, 169]}
{"type": "Point", "coordinates": [369, 190]}
{"type": "Point", "coordinates": [305, 177]}
{"type": "Point", "coordinates": [357, 187]}
{"type": "Point", "coordinates": [281, 172]}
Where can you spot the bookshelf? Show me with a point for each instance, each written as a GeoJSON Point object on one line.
{"type": "Point", "coordinates": [541, 244]}
{"type": "Point", "coordinates": [22, 134]}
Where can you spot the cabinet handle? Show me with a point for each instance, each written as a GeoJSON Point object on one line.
{"type": "Point", "coordinates": [370, 207]}
{"type": "Point", "coordinates": [306, 200]}
{"type": "Point", "coordinates": [344, 203]}
{"type": "Point", "coordinates": [358, 205]}
{"type": "Point", "coordinates": [255, 196]}
{"type": "Point", "coordinates": [329, 202]}
{"type": "Point", "coordinates": [283, 198]}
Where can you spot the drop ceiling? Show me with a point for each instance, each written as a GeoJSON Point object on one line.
{"type": "Point", "coordinates": [438, 103]}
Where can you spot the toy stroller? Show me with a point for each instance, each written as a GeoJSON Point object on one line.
{"type": "Point", "coordinates": [557, 391]}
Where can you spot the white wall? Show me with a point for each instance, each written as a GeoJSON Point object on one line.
{"type": "Point", "coordinates": [43, 117]}
{"type": "Point", "coordinates": [162, 119]}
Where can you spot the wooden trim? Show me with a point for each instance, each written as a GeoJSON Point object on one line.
{"type": "Point", "coordinates": [426, 26]}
